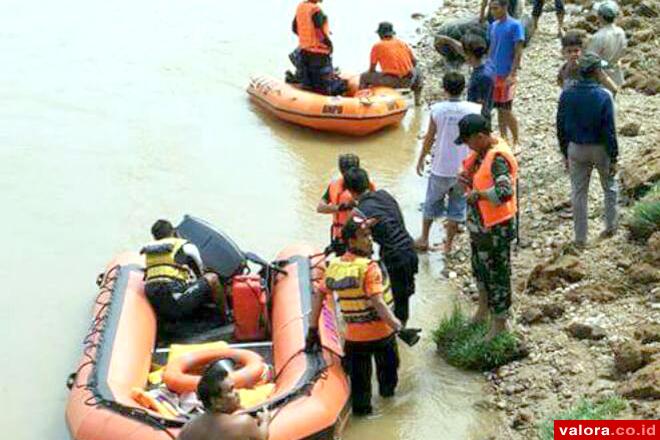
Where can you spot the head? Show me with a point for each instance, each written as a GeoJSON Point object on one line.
{"type": "Point", "coordinates": [357, 234]}
{"type": "Point", "coordinates": [608, 11]}
{"type": "Point", "coordinates": [453, 82]}
{"type": "Point", "coordinates": [475, 48]}
{"type": "Point", "coordinates": [385, 30]}
{"type": "Point", "coordinates": [356, 181]}
{"type": "Point", "coordinates": [499, 9]}
{"type": "Point", "coordinates": [590, 65]}
{"type": "Point", "coordinates": [571, 46]}
{"type": "Point", "coordinates": [216, 390]}
{"type": "Point", "coordinates": [474, 131]}
{"type": "Point", "coordinates": [347, 161]}
{"type": "Point", "coordinates": [162, 229]}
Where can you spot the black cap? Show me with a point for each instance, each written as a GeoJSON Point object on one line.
{"type": "Point", "coordinates": [385, 29]}
{"type": "Point", "coordinates": [471, 124]}
{"type": "Point", "coordinates": [348, 161]}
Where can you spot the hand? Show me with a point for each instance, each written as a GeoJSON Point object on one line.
{"type": "Point", "coordinates": [511, 79]}
{"type": "Point", "coordinates": [420, 167]}
{"type": "Point", "coordinates": [613, 169]}
{"type": "Point", "coordinates": [263, 416]}
{"type": "Point", "coordinates": [463, 179]}
{"type": "Point", "coordinates": [410, 335]}
{"type": "Point", "coordinates": [313, 341]}
{"type": "Point", "coordinates": [473, 196]}
{"type": "Point", "coordinates": [346, 206]}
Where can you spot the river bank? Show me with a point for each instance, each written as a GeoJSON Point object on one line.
{"type": "Point", "coordinates": [589, 319]}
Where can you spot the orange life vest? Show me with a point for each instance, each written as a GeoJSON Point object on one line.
{"type": "Point", "coordinates": [394, 56]}
{"type": "Point", "coordinates": [482, 180]}
{"type": "Point", "coordinates": [310, 38]}
{"type": "Point", "coordinates": [337, 195]}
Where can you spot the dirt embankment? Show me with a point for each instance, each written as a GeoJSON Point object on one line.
{"type": "Point", "coordinates": [590, 319]}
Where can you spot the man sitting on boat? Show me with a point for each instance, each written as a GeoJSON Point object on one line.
{"type": "Point", "coordinates": [315, 47]}
{"type": "Point", "coordinates": [397, 63]}
{"type": "Point", "coordinates": [175, 282]}
{"type": "Point", "coordinates": [220, 422]}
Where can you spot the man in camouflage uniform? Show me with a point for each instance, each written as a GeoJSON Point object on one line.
{"type": "Point", "coordinates": [489, 175]}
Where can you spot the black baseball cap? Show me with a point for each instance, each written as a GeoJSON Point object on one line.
{"type": "Point", "coordinates": [469, 125]}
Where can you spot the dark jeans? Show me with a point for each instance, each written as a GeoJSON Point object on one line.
{"type": "Point", "coordinates": [175, 300]}
{"type": "Point", "coordinates": [538, 7]}
{"type": "Point", "coordinates": [402, 270]}
{"type": "Point", "coordinates": [316, 70]}
{"type": "Point", "coordinates": [358, 365]}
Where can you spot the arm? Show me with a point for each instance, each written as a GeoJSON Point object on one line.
{"type": "Point", "coordinates": [318, 296]}
{"type": "Point", "coordinates": [373, 58]}
{"type": "Point", "coordinates": [608, 123]}
{"type": "Point", "coordinates": [294, 26]}
{"type": "Point", "coordinates": [607, 82]}
{"type": "Point", "coordinates": [324, 206]}
{"type": "Point", "coordinates": [319, 19]}
{"type": "Point", "coordinates": [561, 130]}
{"type": "Point", "coordinates": [385, 313]}
{"type": "Point", "coordinates": [482, 10]}
{"type": "Point", "coordinates": [502, 189]}
{"type": "Point", "coordinates": [455, 45]}
{"type": "Point", "coordinates": [426, 147]}
{"type": "Point", "coordinates": [517, 56]}
{"type": "Point", "coordinates": [193, 259]}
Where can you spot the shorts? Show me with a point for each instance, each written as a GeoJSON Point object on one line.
{"type": "Point", "coordinates": [445, 198]}
{"type": "Point", "coordinates": [538, 7]}
{"type": "Point", "coordinates": [503, 93]}
{"type": "Point", "coordinates": [174, 300]}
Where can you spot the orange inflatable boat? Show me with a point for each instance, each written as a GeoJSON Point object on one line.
{"type": "Point", "coordinates": [361, 113]}
{"type": "Point", "coordinates": [311, 392]}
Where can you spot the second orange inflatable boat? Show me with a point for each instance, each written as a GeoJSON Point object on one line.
{"type": "Point", "coordinates": [361, 113]}
{"type": "Point", "coordinates": [311, 392]}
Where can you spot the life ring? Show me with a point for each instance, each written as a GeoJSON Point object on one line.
{"type": "Point", "coordinates": [183, 374]}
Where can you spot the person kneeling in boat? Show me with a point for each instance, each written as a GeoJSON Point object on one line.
{"type": "Point", "coordinates": [220, 421]}
{"type": "Point", "coordinates": [364, 298]}
{"type": "Point", "coordinates": [311, 26]}
{"type": "Point", "coordinates": [339, 202]}
{"type": "Point", "coordinates": [176, 284]}
{"type": "Point", "coordinates": [397, 63]}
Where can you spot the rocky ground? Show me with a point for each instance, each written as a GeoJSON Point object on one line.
{"type": "Point", "coordinates": [590, 319]}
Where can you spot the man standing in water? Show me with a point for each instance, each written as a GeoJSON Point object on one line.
{"type": "Point", "coordinates": [397, 250]}
{"type": "Point", "coordinates": [219, 422]}
{"type": "Point", "coordinates": [311, 26]}
{"type": "Point", "coordinates": [339, 202]}
{"type": "Point", "coordinates": [507, 37]}
{"type": "Point", "coordinates": [489, 174]}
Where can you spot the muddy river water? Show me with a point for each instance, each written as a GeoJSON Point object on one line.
{"type": "Point", "coordinates": [115, 113]}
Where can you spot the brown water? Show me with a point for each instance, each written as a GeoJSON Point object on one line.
{"type": "Point", "coordinates": [115, 113]}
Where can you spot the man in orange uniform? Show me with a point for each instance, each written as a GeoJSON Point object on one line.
{"type": "Point", "coordinates": [311, 26]}
{"type": "Point", "coordinates": [365, 297]}
{"type": "Point", "coordinates": [338, 201]}
{"type": "Point", "coordinates": [489, 174]}
{"type": "Point", "coordinates": [397, 64]}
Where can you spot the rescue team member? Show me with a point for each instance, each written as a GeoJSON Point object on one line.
{"type": "Point", "coordinates": [338, 201]}
{"type": "Point", "coordinates": [397, 63]}
{"type": "Point", "coordinates": [364, 298]}
{"type": "Point", "coordinates": [489, 174]}
{"type": "Point", "coordinates": [171, 289]}
{"type": "Point", "coordinates": [220, 421]}
{"type": "Point", "coordinates": [311, 26]}
{"type": "Point", "coordinates": [396, 245]}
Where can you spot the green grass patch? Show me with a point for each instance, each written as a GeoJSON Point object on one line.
{"type": "Point", "coordinates": [584, 410]}
{"type": "Point", "coordinates": [645, 215]}
{"type": "Point", "coordinates": [462, 344]}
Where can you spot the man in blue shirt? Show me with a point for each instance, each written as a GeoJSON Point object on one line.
{"type": "Point", "coordinates": [587, 139]}
{"type": "Point", "coordinates": [507, 37]}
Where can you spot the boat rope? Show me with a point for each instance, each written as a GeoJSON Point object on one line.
{"type": "Point", "coordinates": [91, 343]}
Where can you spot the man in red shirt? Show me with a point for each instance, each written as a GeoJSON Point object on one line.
{"type": "Point", "coordinates": [397, 64]}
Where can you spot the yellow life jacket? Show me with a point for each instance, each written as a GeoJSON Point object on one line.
{"type": "Point", "coordinates": [346, 278]}
{"type": "Point", "coordinates": [160, 261]}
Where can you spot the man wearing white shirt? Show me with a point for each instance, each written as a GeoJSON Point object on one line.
{"type": "Point", "coordinates": [444, 195]}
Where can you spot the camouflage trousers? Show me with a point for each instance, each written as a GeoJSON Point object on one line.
{"type": "Point", "coordinates": [491, 266]}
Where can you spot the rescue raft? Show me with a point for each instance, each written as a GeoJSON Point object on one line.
{"type": "Point", "coordinates": [311, 391]}
{"type": "Point", "coordinates": [360, 113]}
